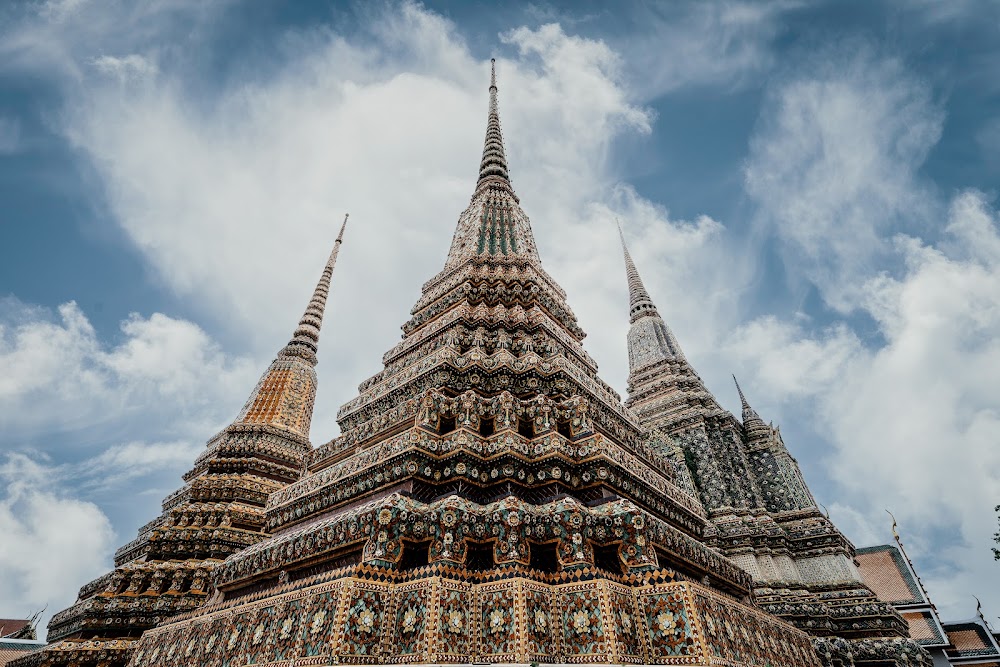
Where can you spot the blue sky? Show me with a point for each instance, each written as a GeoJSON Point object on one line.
{"type": "Point", "coordinates": [809, 189]}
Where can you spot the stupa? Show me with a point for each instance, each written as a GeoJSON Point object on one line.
{"type": "Point", "coordinates": [761, 512]}
{"type": "Point", "coordinates": [218, 512]}
{"type": "Point", "coordinates": [490, 499]}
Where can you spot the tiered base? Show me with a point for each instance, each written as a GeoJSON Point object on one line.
{"type": "Point", "coordinates": [364, 615]}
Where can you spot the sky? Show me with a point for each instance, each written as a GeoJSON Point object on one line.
{"type": "Point", "coordinates": [809, 190]}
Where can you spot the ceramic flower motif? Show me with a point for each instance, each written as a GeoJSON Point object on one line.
{"type": "Point", "coordinates": [455, 621]}
{"type": "Point", "coordinates": [541, 621]}
{"type": "Point", "coordinates": [666, 621]}
{"type": "Point", "coordinates": [625, 621]}
{"type": "Point", "coordinates": [496, 621]}
{"type": "Point", "coordinates": [581, 622]}
{"type": "Point", "coordinates": [319, 618]}
{"type": "Point", "coordinates": [409, 620]}
{"type": "Point", "coordinates": [286, 628]}
{"type": "Point", "coordinates": [366, 620]}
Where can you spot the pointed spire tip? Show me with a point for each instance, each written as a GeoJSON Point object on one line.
{"type": "Point", "coordinates": [739, 390]}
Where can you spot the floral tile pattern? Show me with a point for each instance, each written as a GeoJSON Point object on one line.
{"type": "Point", "coordinates": [439, 619]}
{"type": "Point", "coordinates": [667, 624]}
{"type": "Point", "coordinates": [583, 633]}
{"type": "Point", "coordinates": [363, 622]}
{"type": "Point", "coordinates": [498, 614]}
{"type": "Point", "coordinates": [541, 624]}
{"type": "Point", "coordinates": [456, 642]}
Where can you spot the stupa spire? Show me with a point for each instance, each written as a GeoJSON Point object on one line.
{"type": "Point", "coordinates": [640, 303]}
{"type": "Point", "coordinates": [650, 340]}
{"type": "Point", "coordinates": [305, 340]}
{"type": "Point", "coordinates": [493, 225]}
{"type": "Point", "coordinates": [749, 414]}
{"type": "Point", "coordinates": [494, 163]}
{"type": "Point", "coordinates": [285, 395]}
{"type": "Point", "coordinates": [757, 432]}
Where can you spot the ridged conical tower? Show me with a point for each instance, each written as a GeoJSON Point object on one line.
{"type": "Point", "coordinates": [490, 500]}
{"type": "Point", "coordinates": [763, 516]}
{"type": "Point", "coordinates": [219, 511]}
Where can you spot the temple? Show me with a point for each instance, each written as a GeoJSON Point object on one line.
{"type": "Point", "coordinates": [490, 500]}
{"type": "Point", "coordinates": [890, 573]}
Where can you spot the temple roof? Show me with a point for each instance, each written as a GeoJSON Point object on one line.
{"type": "Point", "coordinates": [11, 649]}
{"type": "Point", "coordinates": [886, 572]}
{"type": "Point", "coordinates": [14, 627]}
{"type": "Point", "coordinates": [971, 639]}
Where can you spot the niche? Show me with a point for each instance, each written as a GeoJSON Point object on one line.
{"type": "Point", "coordinates": [415, 554]}
{"type": "Point", "coordinates": [487, 427]}
{"type": "Point", "coordinates": [562, 428]}
{"type": "Point", "coordinates": [447, 425]}
{"type": "Point", "coordinates": [525, 428]}
{"type": "Point", "coordinates": [543, 557]}
{"type": "Point", "coordinates": [606, 558]}
{"type": "Point", "coordinates": [479, 556]}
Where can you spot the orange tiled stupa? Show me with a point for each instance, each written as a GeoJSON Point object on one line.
{"type": "Point", "coordinates": [218, 512]}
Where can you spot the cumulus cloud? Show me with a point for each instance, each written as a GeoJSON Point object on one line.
{"type": "Point", "coordinates": [902, 391]}
{"type": "Point", "coordinates": [911, 419]}
{"type": "Point", "coordinates": [833, 165]}
{"type": "Point", "coordinates": [165, 374]}
{"type": "Point", "coordinates": [785, 361]}
{"type": "Point", "coordinates": [125, 68]}
{"type": "Point", "coordinates": [725, 43]}
{"type": "Point", "coordinates": [40, 527]}
{"type": "Point", "coordinates": [915, 421]}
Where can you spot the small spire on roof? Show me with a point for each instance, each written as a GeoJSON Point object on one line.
{"type": "Point", "coordinates": [752, 423]}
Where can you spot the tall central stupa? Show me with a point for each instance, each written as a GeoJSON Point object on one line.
{"type": "Point", "coordinates": [492, 500]}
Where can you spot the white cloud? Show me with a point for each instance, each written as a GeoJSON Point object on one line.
{"type": "Point", "coordinates": [833, 165]}
{"type": "Point", "coordinates": [235, 202]}
{"type": "Point", "coordinates": [726, 43]}
{"type": "Point", "coordinates": [125, 68]}
{"type": "Point", "coordinates": [785, 361]}
{"type": "Point", "coordinates": [165, 375]}
{"type": "Point", "coordinates": [912, 422]}
{"type": "Point", "coordinates": [61, 38]}
{"type": "Point", "coordinates": [40, 527]}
